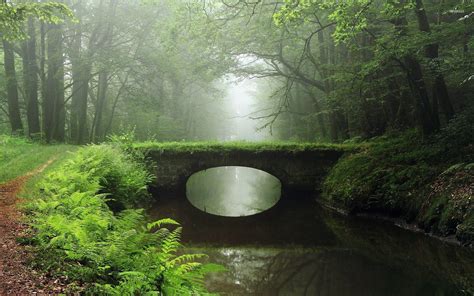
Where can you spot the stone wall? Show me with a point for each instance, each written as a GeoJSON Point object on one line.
{"type": "Point", "coordinates": [297, 170]}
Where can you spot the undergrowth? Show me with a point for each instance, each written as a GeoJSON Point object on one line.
{"type": "Point", "coordinates": [107, 249]}
{"type": "Point", "coordinates": [19, 155]}
{"type": "Point", "coordinates": [428, 181]}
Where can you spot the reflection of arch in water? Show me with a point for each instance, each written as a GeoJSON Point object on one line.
{"type": "Point", "coordinates": [233, 191]}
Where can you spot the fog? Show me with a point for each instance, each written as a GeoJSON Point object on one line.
{"type": "Point", "coordinates": [213, 70]}
{"type": "Point", "coordinates": [129, 98]}
{"type": "Point", "coordinates": [241, 95]}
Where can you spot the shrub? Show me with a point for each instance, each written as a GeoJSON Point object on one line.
{"type": "Point", "coordinates": [383, 177]}
{"type": "Point", "coordinates": [428, 181]}
{"type": "Point", "coordinates": [117, 174]}
{"type": "Point", "coordinates": [111, 252]}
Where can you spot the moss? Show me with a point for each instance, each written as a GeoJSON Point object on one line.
{"type": "Point", "coordinates": [449, 208]}
{"type": "Point", "coordinates": [427, 181]}
{"type": "Point", "coordinates": [382, 177]}
{"type": "Point", "coordinates": [465, 231]}
{"type": "Point", "coordinates": [243, 146]}
{"type": "Point", "coordinates": [347, 182]}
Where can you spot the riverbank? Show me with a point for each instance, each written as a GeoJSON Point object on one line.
{"type": "Point", "coordinates": [428, 183]}
{"type": "Point", "coordinates": [297, 246]}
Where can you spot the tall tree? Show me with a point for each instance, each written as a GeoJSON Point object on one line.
{"type": "Point", "coordinates": [53, 100]}
{"type": "Point", "coordinates": [12, 88]}
{"type": "Point", "coordinates": [30, 70]}
{"type": "Point", "coordinates": [440, 90]}
{"type": "Point", "coordinates": [103, 80]}
{"type": "Point", "coordinates": [81, 66]}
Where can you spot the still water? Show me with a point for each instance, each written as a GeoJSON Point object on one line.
{"type": "Point", "coordinates": [295, 247]}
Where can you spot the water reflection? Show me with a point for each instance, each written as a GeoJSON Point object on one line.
{"type": "Point", "coordinates": [335, 271]}
{"type": "Point", "coordinates": [233, 191]}
{"type": "Point", "coordinates": [298, 248]}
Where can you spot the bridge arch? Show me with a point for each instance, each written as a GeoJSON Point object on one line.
{"type": "Point", "coordinates": [297, 170]}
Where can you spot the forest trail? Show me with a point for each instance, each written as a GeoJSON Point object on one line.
{"type": "Point", "coordinates": [16, 278]}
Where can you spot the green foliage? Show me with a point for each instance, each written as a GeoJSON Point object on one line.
{"type": "Point", "coordinates": [20, 155]}
{"type": "Point", "coordinates": [243, 146]}
{"type": "Point", "coordinates": [118, 174]}
{"type": "Point", "coordinates": [459, 132]}
{"type": "Point", "coordinates": [13, 16]}
{"type": "Point", "coordinates": [448, 208]}
{"type": "Point", "coordinates": [112, 253]}
{"type": "Point", "coordinates": [382, 177]}
{"type": "Point", "coordinates": [367, 54]}
{"type": "Point", "coordinates": [400, 175]}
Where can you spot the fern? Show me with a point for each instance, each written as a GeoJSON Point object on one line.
{"type": "Point", "coordinates": [159, 223]}
{"type": "Point", "coordinates": [116, 252]}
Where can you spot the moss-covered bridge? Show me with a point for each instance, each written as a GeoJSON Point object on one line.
{"type": "Point", "coordinates": [298, 166]}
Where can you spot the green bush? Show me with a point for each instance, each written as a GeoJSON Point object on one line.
{"type": "Point", "coordinates": [383, 177]}
{"type": "Point", "coordinates": [77, 235]}
{"type": "Point", "coordinates": [428, 181]}
{"type": "Point", "coordinates": [119, 175]}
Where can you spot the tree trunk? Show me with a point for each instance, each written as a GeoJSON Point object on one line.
{"type": "Point", "coordinates": [324, 60]}
{"type": "Point", "coordinates": [53, 101]}
{"type": "Point", "coordinates": [12, 88]}
{"type": "Point", "coordinates": [422, 102]}
{"type": "Point", "coordinates": [42, 75]}
{"type": "Point", "coordinates": [81, 72]}
{"type": "Point", "coordinates": [98, 132]}
{"type": "Point", "coordinates": [100, 106]}
{"type": "Point", "coordinates": [440, 90]}
{"type": "Point", "coordinates": [416, 81]}
{"type": "Point", "coordinates": [30, 70]}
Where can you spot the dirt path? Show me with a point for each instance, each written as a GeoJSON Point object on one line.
{"type": "Point", "coordinates": [16, 278]}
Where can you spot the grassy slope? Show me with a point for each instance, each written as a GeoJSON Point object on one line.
{"type": "Point", "coordinates": [242, 146]}
{"type": "Point", "coordinates": [19, 156]}
{"type": "Point", "coordinates": [429, 183]}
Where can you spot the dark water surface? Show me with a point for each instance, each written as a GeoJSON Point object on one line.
{"type": "Point", "coordinates": [298, 248]}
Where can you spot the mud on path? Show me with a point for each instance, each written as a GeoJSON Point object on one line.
{"type": "Point", "coordinates": [16, 278]}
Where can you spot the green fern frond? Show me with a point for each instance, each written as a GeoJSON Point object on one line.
{"type": "Point", "coordinates": [160, 223]}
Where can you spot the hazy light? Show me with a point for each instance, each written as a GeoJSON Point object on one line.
{"type": "Point", "coordinates": [241, 97]}
{"type": "Point", "coordinates": [233, 191]}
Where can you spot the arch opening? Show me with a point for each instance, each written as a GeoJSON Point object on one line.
{"type": "Point", "coordinates": [233, 191]}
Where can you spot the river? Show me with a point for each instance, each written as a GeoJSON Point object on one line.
{"type": "Point", "coordinates": [296, 247]}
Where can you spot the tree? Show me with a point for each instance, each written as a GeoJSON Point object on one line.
{"type": "Point", "coordinates": [13, 18]}
{"type": "Point", "coordinates": [12, 88]}
{"type": "Point", "coordinates": [30, 73]}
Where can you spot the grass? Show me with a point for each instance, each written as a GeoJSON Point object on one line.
{"type": "Point", "coordinates": [19, 156]}
{"type": "Point", "coordinates": [29, 189]}
{"type": "Point", "coordinates": [243, 146]}
{"type": "Point", "coordinates": [428, 182]}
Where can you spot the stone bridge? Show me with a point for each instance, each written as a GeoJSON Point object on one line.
{"type": "Point", "coordinates": [298, 168]}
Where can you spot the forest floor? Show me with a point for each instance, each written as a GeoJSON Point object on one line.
{"type": "Point", "coordinates": [16, 278]}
